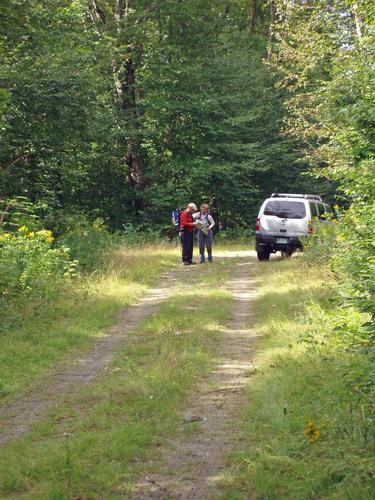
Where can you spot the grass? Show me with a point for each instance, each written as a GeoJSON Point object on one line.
{"type": "Point", "coordinates": [72, 323]}
{"type": "Point", "coordinates": [308, 427]}
{"type": "Point", "coordinates": [94, 444]}
{"type": "Point", "coordinates": [76, 320]}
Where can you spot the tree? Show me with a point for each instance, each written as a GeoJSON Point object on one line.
{"type": "Point", "coordinates": [325, 52]}
{"type": "Point", "coordinates": [126, 109]}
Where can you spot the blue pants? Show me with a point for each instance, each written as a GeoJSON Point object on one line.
{"type": "Point", "coordinates": [205, 241]}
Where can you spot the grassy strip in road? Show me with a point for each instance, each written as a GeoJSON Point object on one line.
{"type": "Point", "coordinates": [309, 422]}
{"type": "Point", "coordinates": [76, 320]}
{"type": "Point", "coordinates": [92, 446]}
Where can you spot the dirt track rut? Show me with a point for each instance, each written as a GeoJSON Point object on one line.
{"type": "Point", "coordinates": [192, 464]}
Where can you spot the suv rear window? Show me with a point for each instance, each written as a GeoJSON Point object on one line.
{"type": "Point", "coordinates": [285, 209]}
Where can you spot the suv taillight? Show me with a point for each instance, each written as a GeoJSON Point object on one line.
{"type": "Point", "coordinates": [257, 224]}
{"type": "Point", "coordinates": [310, 227]}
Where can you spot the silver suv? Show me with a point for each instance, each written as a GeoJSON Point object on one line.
{"type": "Point", "coordinates": [284, 218]}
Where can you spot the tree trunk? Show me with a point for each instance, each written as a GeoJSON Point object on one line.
{"type": "Point", "coordinates": [126, 89]}
{"type": "Point", "coordinates": [129, 104]}
{"type": "Point", "coordinates": [273, 11]}
{"type": "Point", "coordinates": [272, 22]}
{"type": "Point", "coordinates": [98, 12]}
{"type": "Point", "coordinates": [252, 15]}
{"type": "Point", "coordinates": [357, 20]}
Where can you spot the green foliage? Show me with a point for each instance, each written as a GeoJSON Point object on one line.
{"type": "Point", "coordinates": [133, 234]}
{"type": "Point", "coordinates": [32, 273]}
{"type": "Point", "coordinates": [4, 98]}
{"type": "Point", "coordinates": [91, 243]}
{"type": "Point", "coordinates": [237, 234]}
{"type": "Point", "coordinates": [88, 243]}
{"type": "Point", "coordinates": [18, 211]}
{"type": "Point", "coordinates": [126, 111]}
{"type": "Point", "coordinates": [325, 56]}
{"type": "Point", "coordinates": [354, 256]}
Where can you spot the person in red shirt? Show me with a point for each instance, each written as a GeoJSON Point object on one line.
{"type": "Point", "coordinates": [187, 226]}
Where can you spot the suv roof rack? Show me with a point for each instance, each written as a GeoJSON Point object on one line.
{"type": "Point", "coordinates": [295, 195]}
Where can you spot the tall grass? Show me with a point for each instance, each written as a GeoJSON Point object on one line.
{"type": "Point", "coordinates": [309, 427]}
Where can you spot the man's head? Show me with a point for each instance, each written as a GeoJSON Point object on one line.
{"type": "Point", "coordinates": [192, 207]}
{"type": "Point", "coordinates": [204, 208]}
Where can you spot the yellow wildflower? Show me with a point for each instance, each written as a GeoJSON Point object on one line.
{"type": "Point", "coordinates": [23, 229]}
{"type": "Point", "coordinates": [46, 235]}
{"type": "Point", "coordinates": [311, 432]}
{"type": "Point", "coordinates": [5, 236]}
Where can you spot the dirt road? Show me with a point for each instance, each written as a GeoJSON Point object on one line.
{"type": "Point", "coordinates": [192, 465]}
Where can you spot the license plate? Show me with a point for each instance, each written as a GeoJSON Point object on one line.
{"type": "Point", "coordinates": [282, 240]}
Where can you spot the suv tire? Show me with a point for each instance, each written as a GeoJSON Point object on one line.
{"type": "Point", "coordinates": [285, 254]}
{"type": "Point", "coordinates": [263, 253]}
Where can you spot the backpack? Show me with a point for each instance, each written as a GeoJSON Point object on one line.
{"type": "Point", "coordinates": [200, 215]}
{"type": "Point", "coordinates": [176, 218]}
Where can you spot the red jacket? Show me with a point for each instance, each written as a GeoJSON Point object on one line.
{"type": "Point", "coordinates": [187, 221]}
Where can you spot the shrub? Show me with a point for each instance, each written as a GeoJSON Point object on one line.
{"type": "Point", "coordinates": [140, 234]}
{"type": "Point", "coordinates": [354, 259]}
{"type": "Point", "coordinates": [349, 247]}
{"type": "Point", "coordinates": [320, 246]}
{"type": "Point", "coordinates": [239, 234]}
{"type": "Point", "coordinates": [19, 211]}
{"type": "Point", "coordinates": [31, 270]}
{"type": "Point", "coordinates": [88, 243]}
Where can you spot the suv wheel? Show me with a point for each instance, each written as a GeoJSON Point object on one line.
{"type": "Point", "coordinates": [263, 253]}
{"type": "Point", "coordinates": [287, 253]}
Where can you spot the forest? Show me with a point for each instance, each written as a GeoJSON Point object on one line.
{"type": "Point", "coordinates": [124, 112]}
{"type": "Point", "coordinates": [115, 112]}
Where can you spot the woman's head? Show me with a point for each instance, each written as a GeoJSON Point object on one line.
{"type": "Point", "coordinates": [204, 208]}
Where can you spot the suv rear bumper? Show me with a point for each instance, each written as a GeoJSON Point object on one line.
{"type": "Point", "coordinates": [270, 240]}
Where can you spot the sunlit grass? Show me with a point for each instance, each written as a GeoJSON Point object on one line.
{"type": "Point", "coordinates": [92, 446]}
{"type": "Point", "coordinates": [38, 341]}
{"type": "Point", "coordinates": [303, 368]}
{"type": "Point", "coordinates": [77, 318]}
